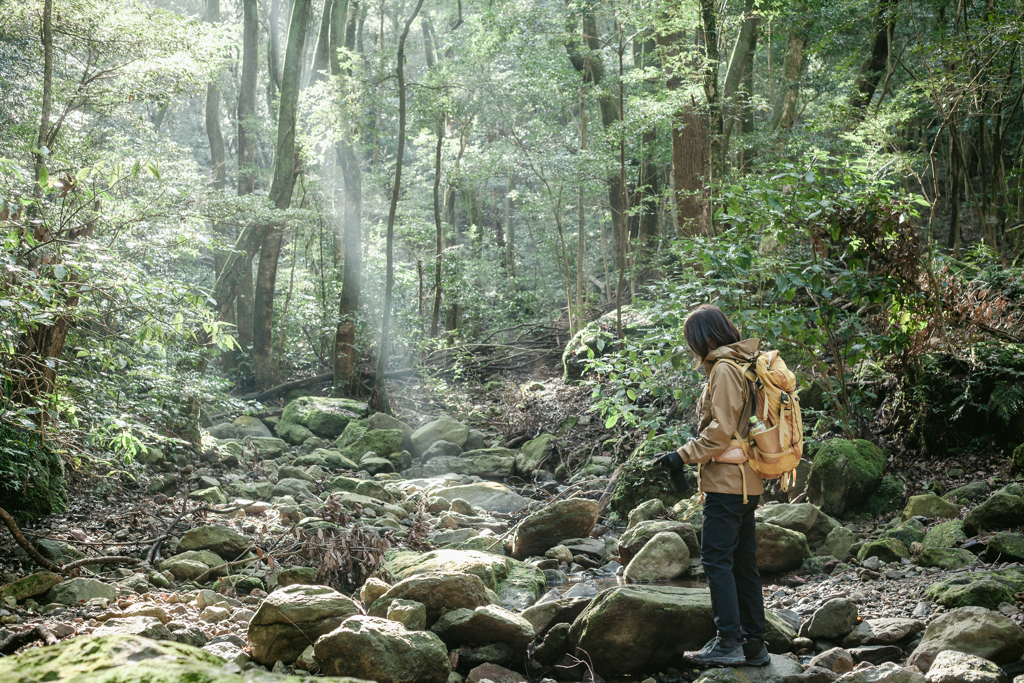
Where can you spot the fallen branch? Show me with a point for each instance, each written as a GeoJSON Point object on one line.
{"type": "Point", "coordinates": [106, 559]}
{"type": "Point", "coordinates": [18, 640]}
{"type": "Point", "coordinates": [609, 490]}
{"type": "Point", "coordinates": [288, 386]}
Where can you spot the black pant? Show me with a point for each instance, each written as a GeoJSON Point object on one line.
{"type": "Point", "coordinates": [728, 551]}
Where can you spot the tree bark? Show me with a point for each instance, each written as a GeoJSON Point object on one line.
{"type": "Point", "coordinates": [873, 67]}
{"type": "Point", "coordinates": [510, 228]}
{"type": "Point", "coordinates": [435, 315]}
{"type": "Point", "coordinates": [345, 355]}
{"type": "Point", "coordinates": [46, 34]}
{"type": "Point", "coordinates": [732, 104]}
{"type": "Point", "coordinates": [213, 132]}
{"type": "Point", "coordinates": [381, 400]}
{"type": "Point", "coordinates": [281, 188]}
{"type": "Point", "coordinates": [246, 113]}
{"type": "Point", "coordinates": [709, 34]}
{"type": "Point", "coordinates": [784, 114]}
{"type": "Point", "coordinates": [322, 51]}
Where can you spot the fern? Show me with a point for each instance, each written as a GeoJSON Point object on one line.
{"type": "Point", "coordinates": [1006, 400]}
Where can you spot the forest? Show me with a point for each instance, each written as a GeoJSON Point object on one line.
{"type": "Point", "coordinates": [339, 337]}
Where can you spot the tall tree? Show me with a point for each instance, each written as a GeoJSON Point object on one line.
{"type": "Point", "coordinates": [281, 189]}
{"type": "Point", "coordinates": [344, 365]}
{"type": "Point", "coordinates": [784, 111]}
{"type": "Point", "coordinates": [874, 66]}
{"type": "Point", "coordinates": [745, 42]}
{"type": "Point", "coordinates": [46, 38]}
{"type": "Point", "coordinates": [381, 400]}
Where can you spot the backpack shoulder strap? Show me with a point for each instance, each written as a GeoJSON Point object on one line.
{"type": "Point", "coordinates": [746, 369]}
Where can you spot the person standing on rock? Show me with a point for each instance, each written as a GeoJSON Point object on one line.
{"type": "Point", "coordinates": [728, 546]}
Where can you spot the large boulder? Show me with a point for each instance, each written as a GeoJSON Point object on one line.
{"type": "Point", "coordinates": [1005, 547]}
{"type": "Point", "coordinates": [386, 443]}
{"type": "Point", "coordinates": [290, 617]}
{"type": "Point", "coordinates": [800, 517]}
{"type": "Point", "coordinates": [929, 505]}
{"type": "Point", "coordinates": [117, 658]}
{"type": "Point", "coordinates": [978, 589]}
{"type": "Point", "coordinates": [74, 591]}
{"type": "Point", "coordinates": [974, 631]}
{"type": "Point", "coordinates": [888, 672]}
{"type": "Point", "coordinates": [486, 495]}
{"type": "Point", "coordinates": [1002, 510]}
{"type": "Point", "coordinates": [385, 421]}
{"type": "Point", "coordinates": [224, 541]}
{"type": "Point", "coordinates": [30, 586]}
{"type": "Point", "coordinates": [663, 558]}
{"type": "Point", "coordinates": [39, 473]}
{"type": "Point", "coordinates": [885, 549]}
{"type": "Point", "coordinates": [956, 667]}
{"type": "Point", "coordinates": [630, 630]}
{"type": "Point", "coordinates": [248, 425]}
{"type": "Point", "coordinates": [145, 626]}
{"type": "Point", "coordinates": [324, 417]}
{"type": "Point", "coordinates": [945, 535]}
{"type": "Point", "coordinates": [641, 480]}
{"type": "Point", "coordinates": [535, 453]}
{"type": "Point", "coordinates": [443, 429]}
{"type": "Point", "coordinates": [886, 631]}
{"type": "Point", "coordinates": [947, 558]}
{"type": "Point", "coordinates": [594, 338]}
{"type": "Point", "coordinates": [832, 621]}
{"type": "Point", "coordinates": [439, 592]}
{"type": "Point", "coordinates": [488, 624]}
{"type": "Point", "coordinates": [779, 549]}
{"type": "Point", "coordinates": [518, 585]}
{"type": "Point", "coordinates": [837, 544]}
{"type": "Point", "coordinates": [383, 651]}
{"type": "Point", "coordinates": [572, 518]}
{"type": "Point", "coordinates": [637, 537]}
{"type": "Point", "coordinates": [843, 475]}
{"type": "Point", "coordinates": [488, 462]}
{"type": "Point", "coordinates": [192, 564]}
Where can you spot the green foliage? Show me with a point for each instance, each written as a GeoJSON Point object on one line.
{"type": "Point", "coordinates": [31, 475]}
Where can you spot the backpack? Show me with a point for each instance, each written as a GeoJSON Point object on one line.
{"type": "Point", "coordinates": [775, 452]}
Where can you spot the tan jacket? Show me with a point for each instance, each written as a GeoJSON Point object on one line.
{"type": "Point", "coordinates": [724, 409]}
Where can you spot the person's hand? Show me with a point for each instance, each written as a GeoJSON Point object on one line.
{"type": "Point", "coordinates": [669, 460]}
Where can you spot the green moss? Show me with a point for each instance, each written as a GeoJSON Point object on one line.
{"type": "Point", "coordinates": [31, 475]}
{"type": "Point", "coordinates": [945, 535]}
{"type": "Point", "coordinates": [1017, 459]}
{"type": "Point", "coordinates": [844, 474]}
{"type": "Point", "coordinates": [887, 498]}
{"type": "Point", "coordinates": [886, 549]}
{"type": "Point", "coordinates": [640, 480]}
{"type": "Point", "coordinates": [982, 589]}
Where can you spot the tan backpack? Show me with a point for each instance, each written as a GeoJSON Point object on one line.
{"type": "Point", "coordinates": [775, 452]}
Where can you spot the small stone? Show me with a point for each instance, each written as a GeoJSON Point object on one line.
{"type": "Point", "coordinates": [214, 615]}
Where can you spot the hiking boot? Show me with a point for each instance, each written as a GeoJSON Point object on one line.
{"type": "Point", "coordinates": [755, 652]}
{"type": "Point", "coordinates": [718, 652]}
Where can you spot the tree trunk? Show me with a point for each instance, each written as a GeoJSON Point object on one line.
{"type": "Point", "coordinates": [322, 52]}
{"type": "Point", "coordinates": [281, 188]}
{"type": "Point", "coordinates": [873, 67]}
{"type": "Point", "coordinates": [246, 113]}
{"type": "Point", "coordinates": [709, 34]}
{"type": "Point", "coordinates": [732, 104]}
{"type": "Point", "coordinates": [46, 34]}
{"type": "Point", "coordinates": [510, 228]}
{"type": "Point", "coordinates": [784, 114]}
{"type": "Point", "coordinates": [435, 315]}
{"type": "Point", "coordinates": [273, 58]}
{"type": "Point", "coordinates": [953, 241]}
{"type": "Point", "coordinates": [381, 400]}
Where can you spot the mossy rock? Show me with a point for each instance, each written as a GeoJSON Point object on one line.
{"type": "Point", "coordinates": [384, 442]}
{"type": "Point", "coordinates": [641, 480]}
{"type": "Point", "coordinates": [947, 558]}
{"type": "Point", "coordinates": [945, 535]}
{"type": "Point", "coordinates": [979, 589]}
{"type": "Point", "coordinates": [324, 417]}
{"type": "Point", "coordinates": [31, 475]}
{"type": "Point", "coordinates": [844, 474]}
{"type": "Point", "coordinates": [907, 533]}
{"type": "Point", "coordinates": [596, 338]}
{"type": "Point", "coordinates": [1005, 547]}
{"type": "Point", "coordinates": [1017, 459]}
{"type": "Point", "coordinates": [886, 499]}
{"type": "Point", "coordinates": [885, 549]}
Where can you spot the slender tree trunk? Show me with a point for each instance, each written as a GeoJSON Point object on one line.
{"type": "Point", "coordinates": [383, 403]}
{"type": "Point", "coordinates": [510, 227]}
{"type": "Point", "coordinates": [241, 313]}
{"type": "Point", "coordinates": [273, 58]}
{"type": "Point", "coordinates": [46, 34]}
{"type": "Point", "coordinates": [784, 114]}
{"type": "Point", "coordinates": [954, 195]}
{"type": "Point", "coordinates": [874, 66]}
{"type": "Point", "coordinates": [581, 233]}
{"type": "Point", "coordinates": [732, 104]}
{"type": "Point", "coordinates": [281, 188]}
{"type": "Point", "coordinates": [435, 315]}
{"type": "Point", "coordinates": [213, 132]}
{"type": "Point", "coordinates": [322, 52]}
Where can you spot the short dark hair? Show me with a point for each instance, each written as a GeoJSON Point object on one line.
{"type": "Point", "coordinates": [707, 328]}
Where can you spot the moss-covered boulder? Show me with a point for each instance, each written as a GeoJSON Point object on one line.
{"type": "Point", "coordinates": [442, 429]}
{"type": "Point", "coordinates": [30, 586]}
{"type": "Point", "coordinates": [384, 442]}
{"type": "Point", "coordinates": [779, 549]}
{"type": "Point", "coordinates": [973, 631]}
{"type": "Point", "coordinates": [908, 533]}
{"type": "Point", "coordinates": [535, 453]}
{"type": "Point", "coordinates": [518, 585]}
{"type": "Point", "coordinates": [885, 549]}
{"type": "Point", "coordinates": [572, 518]}
{"type": "Point", "coordinates": [887, 498]}
{"type": "Point", "coordinates": [1003, 509]}
{"type": "Point", "coordinates": [981, 589]}
{"type": "Point", "coordinates": [596, 338]}
{"type": "Point", "coordinates": [1005, 547]}
{"type": "Point", "coordinates": [843, 475]}
{"type": "Point", "coordinates": [290, 617]}
{"type": "Point", "coordinates": [324, 417]}
{"type": "Point", "coordinates": [929, 505]}
{"type": "Point", "coordinates": [629, 630]}
{"type": "Point", "coordinates": [947, 558]}
{"type": "Point", "coordinates": [945, 535]}
{"type": "Point", "coordinates": [31, 475]}
{"type": "Point", "coordinates": [640, 480]}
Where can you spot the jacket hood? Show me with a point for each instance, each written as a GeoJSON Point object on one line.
{"type": "Point", "coordinates": [741, 351]}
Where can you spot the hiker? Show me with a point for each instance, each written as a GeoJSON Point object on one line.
{"type": "Point", "coordinates": [728, 546]}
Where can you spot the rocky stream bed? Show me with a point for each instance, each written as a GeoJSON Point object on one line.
{"type": "Point", "coordinates": [331, 541]}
